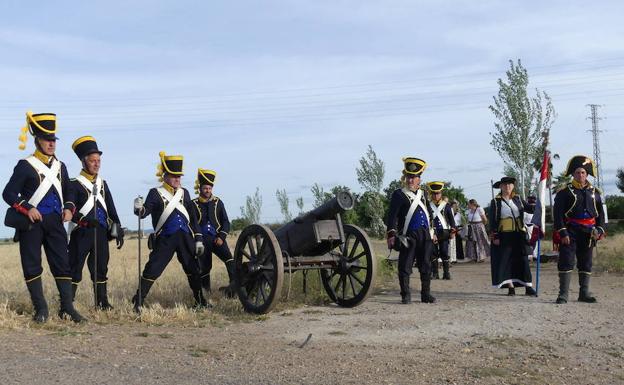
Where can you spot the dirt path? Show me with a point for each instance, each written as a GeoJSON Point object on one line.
{"type": "Point", "coordinates": [473, 335]}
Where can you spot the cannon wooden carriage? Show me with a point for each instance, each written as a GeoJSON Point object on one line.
{"type": "Point", "coordinates": [316, 240]}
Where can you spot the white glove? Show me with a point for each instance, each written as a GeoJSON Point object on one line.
{"type": "Point", "coordinates": [199, 248]}
{"type": "Point", "coordinates": [138, 205]}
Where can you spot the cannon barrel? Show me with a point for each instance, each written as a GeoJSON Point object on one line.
{"type": "Point", "coordinates": [303, 235]}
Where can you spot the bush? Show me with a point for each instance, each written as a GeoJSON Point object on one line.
{"type": "Point", "coordinates": [615, 206]}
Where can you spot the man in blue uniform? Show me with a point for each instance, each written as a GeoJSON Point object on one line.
{"type": "Point", "coordinates": [215, 225]}
{"type": "Point", "coordinates": [175, 230]}
{"type": "Point", "coordinates": [580, 221]}
{"type": "Point", "coordinates": [410, 232]}
{"type": "Point", "coordinates": [445, 229]}
{"type": "Point", "coordinates": [36, 193]}
{"type": "Point", "coordinates": [94, 217]}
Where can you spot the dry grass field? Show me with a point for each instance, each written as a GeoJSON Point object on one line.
{"type": "Point", "coordinates": [473, 335]}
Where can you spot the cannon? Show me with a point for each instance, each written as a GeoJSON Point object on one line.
{"type": "Point", "coordinates": [316, 240]}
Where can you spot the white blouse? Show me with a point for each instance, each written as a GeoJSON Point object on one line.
{"type": "Point", "coordinates": [458, 219]}
{"type": "Point", "coordinates": [509, 209]}
{"type": "Point", "coordinates": [475, 216]}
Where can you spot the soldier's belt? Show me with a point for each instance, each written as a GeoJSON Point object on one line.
{"type": "Point", "coordinates": [582, 221]}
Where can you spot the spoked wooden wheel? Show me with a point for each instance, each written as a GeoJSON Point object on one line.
{"type": "Point", "coordinates": [259, 269]}
{"type": "Point", "coordinates": [351, 282]}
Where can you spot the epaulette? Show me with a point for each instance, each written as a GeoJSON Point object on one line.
{"type": "Point", "coordinates": [567, 186]}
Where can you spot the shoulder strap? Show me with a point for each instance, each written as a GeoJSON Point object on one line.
{"type": "Point", "coordinates": [416, 201]}
{"type": "Point", "coordinates": [171, 202]}
{"type": "Point", "coordinates": [51, 178]}
{"type": "Point", "coordinates": [438, 212]}
{"type": "Point", "coordinates": [88, 185]}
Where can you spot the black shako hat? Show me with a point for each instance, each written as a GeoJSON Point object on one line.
{"type": "Point", "coordinates": [505, 179]}
{"type": "Point", "coordinates": [436, 186]}
{"type": "Point", "coordinates": [40, 126]}
{"type": "Point", "coordinates": [413, 166]}
{"type": "Point", "coordinates": [205, 176]}
{"type": "Point", "coordinates": [85, 145]}
{"type": "Point", "coordinates": [170, 164]}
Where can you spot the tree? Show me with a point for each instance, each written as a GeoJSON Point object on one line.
{"type": "Point", "coordinates": [455, 193]}
{"type": "Point", "coordinates": [615, 206]}
{"type": "Point", "coordinates": [394, 185]}
{"type": "Point", "coordinates": [300, 205]}
{"type": "Point", "coordinates": [620, 179]}
{"type": "Point", "coordinates": [250, 213]}
{"type": "Point", "coordinates": [282, 199]}
{"type": "Point", "coordinates": [370, 175]}
{"type": "Point", "coordinates": [522, 124]}
{"type": "Point", "coordinates": [318, 194]}
{"type": "Point", "coordinates": [560, 181]}
{"type": "Point", "coordinates": [371, 172]}
{"type": "Point", "coordinates": [238, 224]}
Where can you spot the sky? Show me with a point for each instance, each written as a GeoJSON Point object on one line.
{"type": "Point", "coordinates": [285, 94]}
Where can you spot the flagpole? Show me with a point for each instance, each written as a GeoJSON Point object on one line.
{"type": "Point", "coordinates": [537, 269]}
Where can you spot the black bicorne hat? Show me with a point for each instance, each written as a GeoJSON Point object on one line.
{"type": "Point", "coordinates": [85, 145]}
{"type": "Point", "coordinates": [581, 161]}
{"type": "Point", "coordinates": [505, 179]}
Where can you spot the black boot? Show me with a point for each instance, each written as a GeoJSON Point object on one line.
{"type": "Point", "coordinates": [229, 291]}
{"type": "Point", "coordinates": [584, 294]}
{"type": "Point", "coordinates": [205, 282]}
{"type": "Point", "coordinates": [446, 266]}
{"type": "Point", "coordinates": [425, 292]}
{"type": "Point", "coordinates": [137, 301]}
{"type": "Point", "coordinates": [102, 297]}
{"type": "Point", "coordinates": [67, 309]}
{"type": "Point", "coordinates": [529, 291]}
{"type": "Point", "coordinates": [406, 296]}
{"type": "Point", "coordinates": [38, 300]}
{"type": "Point", "coordinates": [511, 290]}
{"type": "Point", "coordinates": [564, 286]}
{"type": "Point", "coordinates": [74, 290]}
{"type": "Point", "coordinates": [434, 269]}
{"type": "Point", "coordinates": [196, 287]}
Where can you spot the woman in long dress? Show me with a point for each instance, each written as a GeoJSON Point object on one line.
{"type": "Point", "coordinates": [477, 242]}
{"type": "Point", "coordinates": [510, 263]}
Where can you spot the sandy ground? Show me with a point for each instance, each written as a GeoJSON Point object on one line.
{"type": "Point", "coordinates": [473, 335]}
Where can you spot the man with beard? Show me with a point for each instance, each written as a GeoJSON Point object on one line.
{"type": "Point", "coordinates": [215, 225]}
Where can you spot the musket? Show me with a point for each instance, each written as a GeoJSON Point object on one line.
{"type": "Point", "coordinates": [139, 236]}
{"type": "Point", "coordinates": [96, 224]}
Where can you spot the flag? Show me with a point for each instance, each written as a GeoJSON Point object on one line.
{"type": "Point", "coordinates": [540, 207]}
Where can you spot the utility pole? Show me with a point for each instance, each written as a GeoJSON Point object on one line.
{"type": "Point", "coordinates": [595, 133]}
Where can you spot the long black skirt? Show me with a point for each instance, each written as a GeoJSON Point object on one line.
{"type": "Point", "coordinates": [509, 262]}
